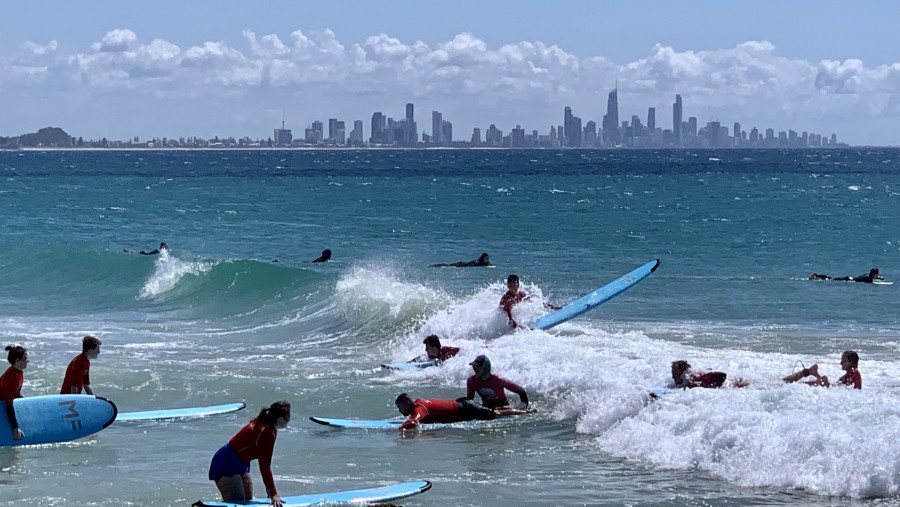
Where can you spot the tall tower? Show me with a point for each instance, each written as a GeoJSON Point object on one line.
{"type": "Point", "coordinates": [677, 113]}
{"type": "Point", "coordinates": [568, 128]}
{"type": "Point", "coordinates": [611, 127]}
{"type": "Point", "coordinates": [437, 124]}
{"type": "Point", "coordinates": [651, 119]}
{"type": "Point", "coordinates": [411, 131]}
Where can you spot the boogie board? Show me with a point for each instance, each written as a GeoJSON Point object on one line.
{"type": "Point", "coordinates": [354, 496]}
{"type": "Point", "coordinates": [362, 424]}
{"type": "Point", "coordinates": [409, 366]}
{"type": "Point", "coordinates": [57, 418]}
{"type": "Point", "coordinates": [179, 413]}
{"type": "Point", "coordinates": [596, 298]}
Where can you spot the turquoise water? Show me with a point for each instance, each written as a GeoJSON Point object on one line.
{"type": "Point", "coordinates": [216, 321]}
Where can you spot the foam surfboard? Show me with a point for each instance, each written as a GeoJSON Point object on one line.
{"type": "Point", "coordinates": [179, 413]}
{"type": "Point", "coordinates": [354, 496]}
{"type": "Point", "coordinates": [882, 282]}
{"type": "Point", "coordinates": [596, 298]}
{"type": "Point", "coordinates": [57, 418]}
{"type": "Point", "coordinates": [362, 424]}
{"type": "Point", "coordinates": [409, 366]}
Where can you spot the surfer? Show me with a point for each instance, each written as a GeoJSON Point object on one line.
{"type": "Point", "coordinates": [11, 385]}
{"type": "Point", "coordinates": [849, 363]}
{"type": "Point", "coordinates": [434, 411]}
{"type": "Point", "coordinates": [435, 352]}
{"type": "Point", "coordinates": [78, 372]}
{"type": "Point", "coordinates": [514, 296]}
{"type": "Point", "coordinates": [483, 260]}
{"type": "Point", "coordinates": [230, 466]}
{"type": "Point", "coordinates": [873, 276]}
{"type": "Point", "coordinates": [492, 388]}
{"type": "Point", "coordinates": [685, 378]}
{"type": "Point", "coordinates": [162, 247]}
{"type": "Point", "coordinates": [325, 257]}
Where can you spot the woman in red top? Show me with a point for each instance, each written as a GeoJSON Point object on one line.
{"type": "Point", "coordinates": [11, 385]}
{"type": "Point", "coordinates": [849, 363]}
{"type": "Point", "coordinates": [230, 466]}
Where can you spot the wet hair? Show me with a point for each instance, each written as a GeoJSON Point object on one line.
{"type": "Point", "coordinates": [432, 341]}
{"type": "Point", "coordinates": [873, 272]}
{"type": "Point", "coordinates": [512, 278]}
{"type": "Point", "coordinates": [326, 254]}
{"type": "Point", "coordinates": [163, 246]}
{"type": "Point", "coordinates": [269, 415]}
{"type": "Point", "coordinates": [401, 397]}
{"type": "Point", "coordinates": [484, 256]}
{"type": "Point", "coordinates": [680, 367]}
{"type": "Point", "coordinates": [90, 342]}
{"type": "Point", "coordinates": [16, 352]}
{"type": "Point", "coordinates": [853, 357]}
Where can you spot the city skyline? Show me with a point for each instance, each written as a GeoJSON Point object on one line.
{"type": "Point", "coordinates": [145, 72]}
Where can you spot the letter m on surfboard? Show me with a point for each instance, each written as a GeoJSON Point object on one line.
{"type": "Point", "coordinates": [71, 413]}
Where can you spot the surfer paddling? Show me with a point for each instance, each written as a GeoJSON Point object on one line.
{"type": "Point", "coordinates": [230, 466]}
{"type": "Point", "coordinates": [873, 276]}
{"type": "Point", "coordinates": [514, 296]}
{"type": "Point", "coordinates": [163, 247]}
{"type": "Point", "coordinates": [483, 260]}
{"type": "Point", "coordinates": [685, 378]}
{"type": "Point", "coordinates": [435, 352]}
{"type": "Point", "coordinates": [434, 411]}
{"type": "Point", "coordinates": [11, 385]}
{"type": "Point", "coordinates": [78, 372]}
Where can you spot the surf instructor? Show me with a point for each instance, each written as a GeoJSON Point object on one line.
{"type": "Point", "coordinates": [11, 385]}
{"type": "Point", "coordinates": [230, 466]}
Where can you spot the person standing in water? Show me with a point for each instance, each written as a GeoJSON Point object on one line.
{"type": "Point", "coordinates": [11, 385]}
{"type": "Point", "coordinates": [514, 296]}
{"type": "Point", "coordinates": [78, 372]}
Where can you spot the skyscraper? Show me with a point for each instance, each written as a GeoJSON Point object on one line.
{"type": "Point", "coordinates": [651, 119]}
{"type": "Point", "coordinates": [378, 124]}
{"type": "Point", "coordinates": [568, 128]}
{"type": "Point", "coordinates": [411, 131]}
{"type": "Point", "coordinates": [677, 113]}
{"type": "Point", "coordinates": [437, 122]}
{"type": "Point", "coordinates": [611, 122]}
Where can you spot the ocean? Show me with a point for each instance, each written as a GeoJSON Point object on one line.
{"type": "Point", "coordinates": [216, 320]}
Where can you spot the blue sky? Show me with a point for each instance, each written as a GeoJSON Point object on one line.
{"type": "Point", "coordinates": [122, 69]}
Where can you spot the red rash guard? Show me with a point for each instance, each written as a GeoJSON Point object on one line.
{"type": "Point", "coordinates": [432, 411]}
{"type": "Point", "coordinates": [77, 375]}
{"type": "Point", "coordinates": [445, 353]}
{"type": "Point", "coordinates": [851, 378]}
{"type": "Point", "coordinates": [11, 388]}
{"type": "Point", "coordinates": [257, 441]}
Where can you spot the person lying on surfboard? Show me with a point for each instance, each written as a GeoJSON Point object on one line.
{"type": "Point", "coordinates": [434, 351]}
{"type": "Point", "coordinates": [435, 411]}
{"type": "Point", "coordinates": [492, 388]}
{"type": "Point", "coordinates": [230, 466]}
{"type": "Point", "coordinates": [11, 385]}
{"type": "Point", "coordinates": [163, 247]}
{"type": "Point", "coordinates": [483, 260]}
{"type": "Point", "coordinates": [325, 257]}
{"type": "Point", "coordinates": [849, 363]}
{"type": "Point", "coordinates": [685, 378]}
{"type": "Point", "coordinates": [873, 276]}
{"type": "Point", "coordinates": [78, 372]}
{"type": "Point", "coordinates": [514, 296]}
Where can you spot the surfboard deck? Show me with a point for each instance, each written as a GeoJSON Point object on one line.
{"type": "Point", "coordinates": [57, 418]}
{"type": "Point", "coordinates": [596, 298]}
{"type": "Point", "coordinates": [355, 496]}
{"type": "Point", "coordinates": [179, 413]}
{"type": "Point", "coordinates": [882, 282]}
{"type": "Point", "coordinates": [409, 366]}
{"type": "Point", "coordinates": [363, 424]}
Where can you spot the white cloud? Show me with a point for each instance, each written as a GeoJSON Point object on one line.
{"type": "Point", "coordinates": [464, 72]}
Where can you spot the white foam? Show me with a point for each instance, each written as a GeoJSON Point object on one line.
{"type": "Point", "coordinates": [168, 270]}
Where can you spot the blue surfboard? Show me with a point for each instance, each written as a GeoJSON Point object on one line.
{"type": "Point", "coordinates": [57, 418]}
{"type": "Point", "coordinates": [596, 298]}
{"type": "Point", "coordinates": [179, 413]}
{"type": "Point", "coordinates": [362, 424]}
{"type": "Point", "coordinates": [353, 496]}
{"type": "Point", "coordinates": [410, 366]}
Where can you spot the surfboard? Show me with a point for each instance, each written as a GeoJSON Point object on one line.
{"type": "Point", "coordinates": [409, 366]}
{"type": "Point", "coordinates": [882, 282]}
{"type": "Point", "coordinates": [354, 496]}
{"type": "Point", "coordinates": [596, 298]}
{"type": "Point", "coordinates": [362, 424]}
{"type": "Point", "coordinates": [57, 418]}
{"type": "Point", "coordinates": [179, 413]}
